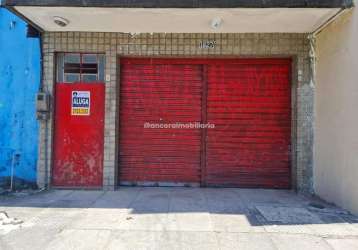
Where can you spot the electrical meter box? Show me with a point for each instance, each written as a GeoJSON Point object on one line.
{"type": "Point", "coordinates": [42, 105]}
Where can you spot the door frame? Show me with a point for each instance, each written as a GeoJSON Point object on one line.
{"type": "Point", "coordinates": [52, 126]}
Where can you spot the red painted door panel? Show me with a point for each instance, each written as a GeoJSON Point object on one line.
{"type": "Point", "coordinates": [251, 107]}
{"type": "Point", "coordinates": [159, 93]}
{"type": "Point", "coordinates": [78, 140]}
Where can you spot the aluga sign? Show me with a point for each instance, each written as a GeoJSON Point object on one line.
{"type": "Point", "coordinates": [80, 103]}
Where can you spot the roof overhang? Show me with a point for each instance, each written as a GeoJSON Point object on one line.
{"type": "Point", "coordinates": [185, 3]}
{"type": "Point", "coordinates": [184, 16]}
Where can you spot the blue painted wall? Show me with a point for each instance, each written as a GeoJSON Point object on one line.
{"type": "Point", "coordinates": [19, 83]}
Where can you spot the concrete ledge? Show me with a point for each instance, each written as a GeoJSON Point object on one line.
{"type": "Point", "coordinates": [186, 3]}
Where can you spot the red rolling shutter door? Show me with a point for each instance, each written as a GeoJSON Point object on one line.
{"type": "Point", "coordinates": [250, 104]}
{"type": "Point", "coordinates": [159, 93]}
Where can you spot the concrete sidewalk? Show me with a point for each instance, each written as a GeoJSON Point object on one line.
{"type": "Point", "coordinates": [175, 218]}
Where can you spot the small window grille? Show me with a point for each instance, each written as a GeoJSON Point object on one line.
{"type": "Point", "coordinates": [77, 67]}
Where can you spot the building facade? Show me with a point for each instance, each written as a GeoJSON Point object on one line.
{"type": "Point", "coordinates": [19, 83]}
{"type": "Point", "coordinates": [242, 66]}
{"type": "Point", "coordinates": [115, 46]}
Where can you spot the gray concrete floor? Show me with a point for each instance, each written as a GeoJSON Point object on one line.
{"type": "Point", "coordinates": [175, 218]}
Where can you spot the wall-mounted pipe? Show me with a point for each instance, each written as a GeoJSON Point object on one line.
{"type": "Point", "coordinates": [312, 41]}
{"type": "Point", "coordinates": [331, 20]}
{"type": "Point", "coordinates": [312, 59]}
{"type": "Point", "coordinates": [14, 162]}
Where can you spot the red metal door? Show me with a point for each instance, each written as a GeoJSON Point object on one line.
{"type": "Point", "coordinates": [159, 92]}
{"type": "Point", "coordinates": [249, 102]}
{"type": "Point", "coordinates": [78, 140]}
